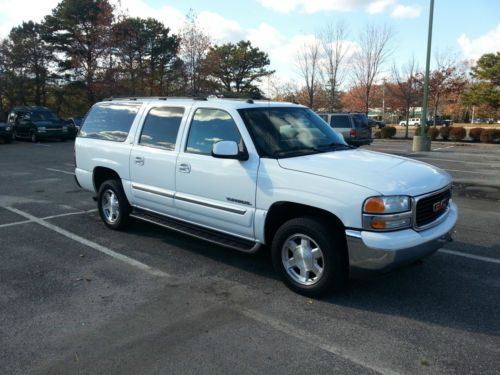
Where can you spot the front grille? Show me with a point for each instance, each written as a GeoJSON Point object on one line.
{"type": "Point", "coordinates": [432, 207]}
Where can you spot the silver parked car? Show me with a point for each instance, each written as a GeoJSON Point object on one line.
{"type": "Point", "coordinates": [353, 126]}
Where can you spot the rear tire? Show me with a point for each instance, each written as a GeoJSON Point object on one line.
{"type": "Point", "coordinates": [310, 256]}
{"type": "Point", "coordinates": [113, 205]}
{"type": "Point", "coordinates": [8, 139]}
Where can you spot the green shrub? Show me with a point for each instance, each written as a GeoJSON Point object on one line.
{"type": "Point", "coordinates": [388, 132]}
{"type": "Point", "coordinates": [475, 134]}
{"type": "Point", "coordinates": [377, 134]}
{"type": "Point", "coordinates": [490, 135]}
{"type": "Point", "coordinates": [433, 133]}
{"type": "Point", "coordinates": [457, 133]}
{"type": "Point", "coordinates": [445, 132]}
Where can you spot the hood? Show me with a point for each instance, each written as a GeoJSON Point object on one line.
{"type": "Point", "coordinates": [384, 173]}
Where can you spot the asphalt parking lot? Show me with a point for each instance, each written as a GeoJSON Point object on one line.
{"type": "Point", "coordinates": [76, 297]}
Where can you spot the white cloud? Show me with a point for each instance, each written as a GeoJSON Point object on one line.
{"type": "Point", "coordinates": [406, 11]}
{"type": "Point", "coordinates": [169, 15]}
{"type": "Point", "coordinates": [487, 43]}
{"type": "Point", "coordinates": [22, 10]}
{"type": "Point", "coordinates": [315, 6]}
{"type": "Point", "coordinates": [378, 6]}
{"type": "Point", "coordinates": [220, 28]}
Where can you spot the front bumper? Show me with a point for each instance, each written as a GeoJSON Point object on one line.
{"type": "Point", "coordinates": [379, 251]}
{"type": "Point", "coordinates": [52, 134]}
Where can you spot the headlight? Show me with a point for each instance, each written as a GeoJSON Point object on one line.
{"type": "Point", "coordinates": [387, 205]}
{"type": "Point", "coordinates": [64, 128]}
{"type": "Point", "coordinates": [387, 213]}
{"type": "Point", "coordinates": [42, 129]}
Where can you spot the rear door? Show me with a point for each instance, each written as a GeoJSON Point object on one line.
{"type": "Point", "coordinates": [153, 159]}
{"type": "Point", "coordinates": [216, 193]}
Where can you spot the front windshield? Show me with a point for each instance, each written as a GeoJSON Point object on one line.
{"type": "Point", "coordinates": [44, 116]}
{"type": "Point", "coordinates": [289, 131]}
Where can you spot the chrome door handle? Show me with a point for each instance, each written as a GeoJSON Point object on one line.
{"type": "Point", "coordinates": [184, 168]}
{"type": "Point", "coordinates": [139, 160]}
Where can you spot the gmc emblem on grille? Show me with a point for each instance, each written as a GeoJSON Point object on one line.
{"type": "Point", "coordinates": [438, 206]}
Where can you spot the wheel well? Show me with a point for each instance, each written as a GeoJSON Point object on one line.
{"type": "Point", "coordinates": [281, 212]}
{"type": "Point", "coordinates": [102, 174]}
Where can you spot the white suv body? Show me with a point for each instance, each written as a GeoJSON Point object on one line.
{"type": "Point", "coordinates": [412, 122]}
{"type": "Point", "coordinates": [221, 196]}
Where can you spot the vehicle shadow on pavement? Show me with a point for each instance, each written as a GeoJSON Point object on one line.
{"type": "Point", "coordinates": [442, 289]}
{"type": "Point", "coordinates": [258, 263]}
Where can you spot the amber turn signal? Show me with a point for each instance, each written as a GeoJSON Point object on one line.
{"type": "Point", "coordinates": [378, 224]}
{"type": "Point", "coordinates": [374, 205]}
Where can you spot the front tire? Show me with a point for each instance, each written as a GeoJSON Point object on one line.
{"type": "Point", "coordinates": [310, 256]}
{"type": "Point", "coordinates": [113, 205]}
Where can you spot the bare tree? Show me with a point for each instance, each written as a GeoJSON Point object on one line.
{"type": "Point", "coordinates": [406, 86]}
{"type": "Point", "coordinates": [334, 51]}
{"type": "Point", "coordinates": [194, 48]}
{"type": "Point", "coordinates": [375, 48]}
{"type": "Point", "coordinates": [308, 61]}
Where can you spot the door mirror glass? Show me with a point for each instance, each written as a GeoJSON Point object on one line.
{"type": "Point", "coordinates": [227, 150]}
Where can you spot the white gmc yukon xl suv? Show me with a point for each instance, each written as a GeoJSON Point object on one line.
{"type": "Point", "coordinates": [244, 174]}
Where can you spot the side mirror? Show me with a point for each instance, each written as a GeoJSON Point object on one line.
{"type": "Point", "coordinates": [228, 150]}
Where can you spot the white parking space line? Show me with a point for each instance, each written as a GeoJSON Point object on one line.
{"type": "Point", "coordinates": [471, 256]}
{"type": "Point", "coordinates": [91, 244]}
{"type": "Point", "coordinates": [442, 148]}
{"type": "Point", "coordinates": [60, 171]}
{"type": "Point", "coordinates": [69, 214]}
{"type": "Point", "coordinates": [15, 223]}
{"type": "Point", "coordinates": [310, 338]}
{"type": "Point", "coordinates": [462, 161]}
{"type": "Point", "coordinates": [473, 172]}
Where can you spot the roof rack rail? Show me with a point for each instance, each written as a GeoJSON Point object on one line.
{"type": "Point", "coordinates": [153, 98]}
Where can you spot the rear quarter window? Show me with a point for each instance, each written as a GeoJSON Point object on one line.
{"type": "Point", "coordinates": [340, 121]}
{"type": "Point", "coordinates": [109, 121]}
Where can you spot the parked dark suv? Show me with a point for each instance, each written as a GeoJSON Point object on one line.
{"type": "Point", "coordinates": [37, 123]}
{"type": "Point", "coordinates": [353, 126]}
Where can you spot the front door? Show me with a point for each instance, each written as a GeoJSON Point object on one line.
{"type": "Point", "coordinates": [216, 193]}
{"type": "Point", "coordinates": [153, 158]}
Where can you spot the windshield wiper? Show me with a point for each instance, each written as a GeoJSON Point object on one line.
{"type": "Point", "coordinates": [295, 151]}
{"type": "Point", "coordinates": [334, 146]}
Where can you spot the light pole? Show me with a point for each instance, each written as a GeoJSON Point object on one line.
{"type": "Point", "coordinates": [421, 142]}
{"type": "Point", "coordinates": [383, 99]}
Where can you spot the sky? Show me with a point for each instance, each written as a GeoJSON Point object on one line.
{"type": "Point", "coordinates": [280, 27]}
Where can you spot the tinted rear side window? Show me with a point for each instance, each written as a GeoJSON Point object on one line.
{"type": "Point", "coordinates": [341, 121]}
{"type": "Point", "coordinates": [161, 127]}
{"type": "Point", "coordinates": [109, 121]}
